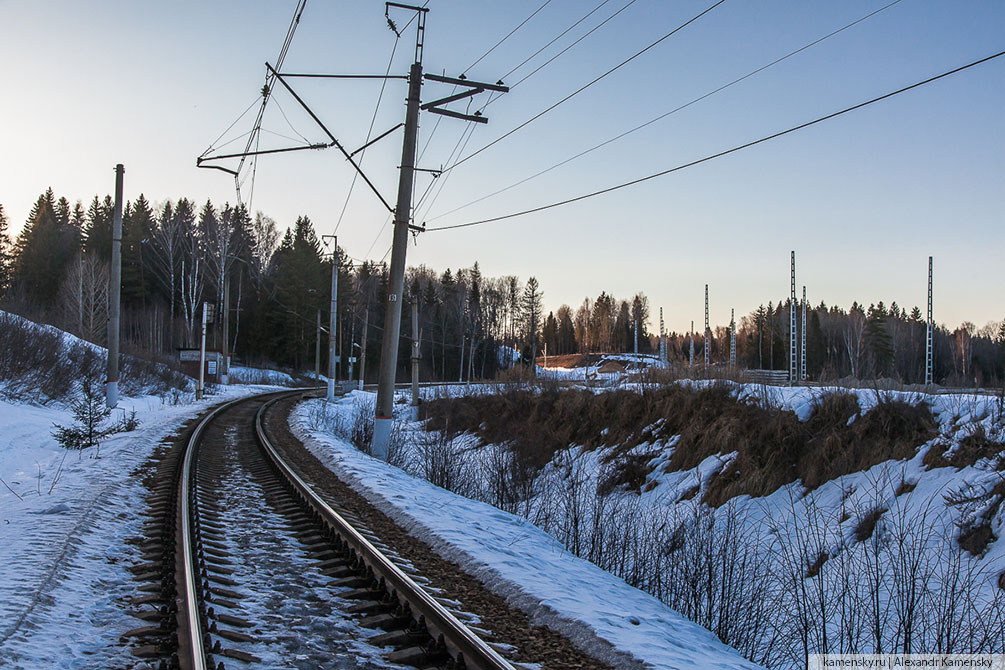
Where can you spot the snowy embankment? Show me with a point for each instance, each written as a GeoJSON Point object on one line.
{"type": "Point", "coordinates": [901, 551]}
{"type": "Point", "coordinates": [65, 518]}
{"type": "Point", "coordinates": [517, 560]}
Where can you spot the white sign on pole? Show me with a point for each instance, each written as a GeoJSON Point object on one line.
{"type": "Point", "coordinates": [211, 367]}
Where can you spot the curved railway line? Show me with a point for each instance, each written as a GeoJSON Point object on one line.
{"type": "Point", "coordinates": [194, 600]}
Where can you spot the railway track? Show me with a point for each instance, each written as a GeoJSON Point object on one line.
{"type": "Point", "coordinates": [208, 610]}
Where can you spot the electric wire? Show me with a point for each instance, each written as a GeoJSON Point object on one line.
{"type": "Point", "coordinates": [585, 86]}
{"type": "Point", "coordinates": [285, 137]}
{"type": "Point", "coordinates": [442, 180]}
{"type": "Point", "coordinates": [286, 118]}
{"type": "Point", "coordinates": [577, 41]}
{"type": "Point", "coordinates": [560, 36]}
{"type": "Point", "coordinates": [266, 91]}
{"type": "Point", "coordinates": [669, 113]}
{"type": "Point", "coordinates": [508, 35]}
{"type": "Point", "coordinates": [725, 152]}
{"type": "Point", "coordinates": [369, 132]}
{"type": "Point", "coordinates": [236, 121]}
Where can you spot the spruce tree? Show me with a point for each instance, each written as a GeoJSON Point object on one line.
{"type": "Point", "coordinates": [98, 229]}
{"type": "Point", "coordinates": [90, 412]}
{"type": "Point", "coordinates": [6, 253]}
{"type": "Point", "coordinates": [137, 231]}
{"type": "Point", "coordinates": [43, 251]}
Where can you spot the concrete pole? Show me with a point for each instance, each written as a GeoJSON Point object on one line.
{"type": "Point", "coordinates": [225, 373]}
{"type": "Point", "coordinates": [352, 344]}
{"type": "Point", "coordinates": [416, 355]}
{"type": "Point", "coordinates": [201, 389]}
{"type": "Point", "coordinates": [332, 359]}
{"type": "Point", "coordinates": [392, 320]}
{"type": "Point", "coordinates": [690, 359]}
{"type": "Point", "coordinates": [114, 293]}
{"type": "Point", "coordinates": [362, 353]}
{"type": "Point", "coordinates": [317, 351]}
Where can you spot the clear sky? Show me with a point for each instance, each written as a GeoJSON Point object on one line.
{"type": "Point", "coordinates": [864, 199]}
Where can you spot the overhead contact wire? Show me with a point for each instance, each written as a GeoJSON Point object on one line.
{"type": "Point", "coordinates": [727, 151]}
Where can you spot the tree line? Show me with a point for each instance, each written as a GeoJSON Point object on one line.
{"type": "Point", "coordinates": [178, 254]}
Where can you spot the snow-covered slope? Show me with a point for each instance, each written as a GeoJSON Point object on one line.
{"type": "Point", "coordinates": [618, 623]}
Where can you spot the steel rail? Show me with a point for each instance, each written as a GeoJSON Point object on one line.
{"type": "Point", "coordinates": [476, 654]}
{"type": "Point", "coordinates": [190, 579]}
{"type": "Point", "coordinates": [189, 587]}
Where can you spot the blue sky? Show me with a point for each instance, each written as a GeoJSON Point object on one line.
{"type": "Point", "coordinates": [863, 199]}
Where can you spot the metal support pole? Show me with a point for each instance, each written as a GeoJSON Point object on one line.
{"type": "Point", "coordinates": [732, 339]}
{"type": "Point", "coordinates": [664, 354]}
{"type": "Point", "coordinates": [636, 337]}
{"type": "Point", "coordinates": [929, 328]}
{"type": "Point", "coordinates": [416, 355]}
{"type": "Point", "coordinates": [707, 332]}
{"type": "Point", "coordinates": [792, 323]}
{"type": "Point", "coordinates": [317, 351]}
{"type": "Point", "coordinates": [392, 320]}
{"type": "Point", "coordinates": [332, 358]}
{"type": "Point", "coordinates": [114, 292]}
{"type": "Point", "coordinates": [802, 338]}
{"type": "Point", "coordinates": [201, 389]}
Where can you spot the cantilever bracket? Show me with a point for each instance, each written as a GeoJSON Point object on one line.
{"type": "Point", "coordinates": [474, 88]}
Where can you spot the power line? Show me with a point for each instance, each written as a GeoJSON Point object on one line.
{"type": "Point", "coordinates": [508, 35]}
{"type": "Point", "coordinates": [586, 86]}
{"type": "Point", "coordinates": [669, 113]}
{"type": "Point", "coordinates": [577, 41]}
{"type": "Point", "coordinates": [557, 38]}
{"type": "Point", "coordinates": [373, 119]}
{"type": "Point", "coordinates": [727, 151]}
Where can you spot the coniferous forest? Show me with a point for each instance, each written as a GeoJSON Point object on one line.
{"type": "Point", "coordinates": [177, 255]}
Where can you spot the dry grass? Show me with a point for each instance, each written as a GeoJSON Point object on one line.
{"type": "Point", "coordinates": [974, 447]}
{"type": "Point", "coordinates": [866, 525]}
{"type": "Point", "coordinates": [773, 447]}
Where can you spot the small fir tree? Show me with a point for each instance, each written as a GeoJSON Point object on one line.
{"type": "Point", "coordinates": [89, 412]}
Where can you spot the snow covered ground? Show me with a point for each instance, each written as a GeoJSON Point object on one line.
{"type": "Point", "coordinates": [64, 519]}
{"type": "Point", "coordinates": [918, 568]}
{"type": "Point", "coordinates": [528, 566]}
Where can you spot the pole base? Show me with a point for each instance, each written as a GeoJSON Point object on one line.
{"type": "Point", "coordinates": [225, 379]}
{"type": "Point", "coordinates": [414, 412]}
{"type": "Point", "coordinates": [381, 437]}
{"type": "Point", "coordinates": [331, 390]}
{"type": "Point", "coordinates": [111, 395]}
